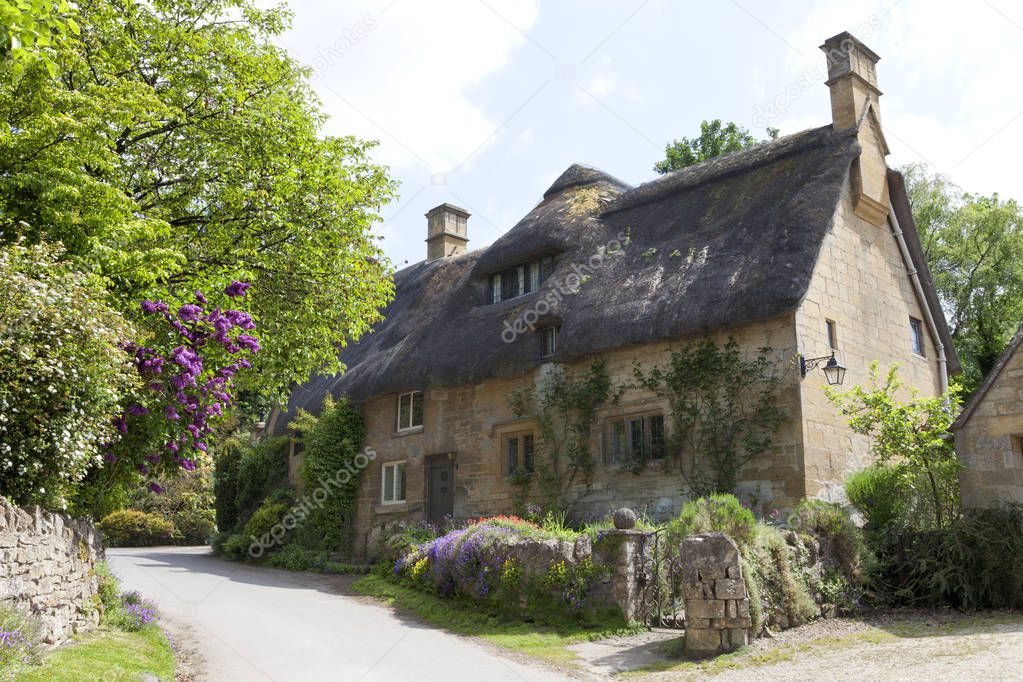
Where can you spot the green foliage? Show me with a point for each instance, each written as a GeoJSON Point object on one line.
{"type": "Point", "coordinates": [180, 148]}
{"type": "Point", "coordinates": [22, 641]}
{"type": "Point", "coordinates": [131, 528]}
{"type": "Point", "coordinates": [262, 469]}
{"type": "Point", "coordinates": [296, 558]}
{"type": "Point", "coordinates": [847, 559]}
{"type": "Point", "coordinates": [28, 31]}
{"type": "Point", "coordinates": [780, 573]}
{"type": "Point", "coordinates": [331, 459]}
{"type": "Point", "coordinates": [881, 494]}
{"type": "Point", "coordinates": [231, 546]}
{"type": "Point", "coordinates": [914, 435]}
{"type": "Point", "coordinates": [108, 588]}
{"type": "Point", "coordinates": [722, 513]}
{"type": "Point", "coordinates": [976, 562]}
{"type": "Point", "coordinates": [266, 516]}
{"type": "Point", "coordinates": [62, 375]}
{"type": "Point", "coordinates": [724, 411]}
{"type": "Point", "coordinates": [227, 459]}
{"type": "Point", "coordinates": [972, 243]}
{"type": "Point", "coordinates": [715, 139]}
{"type": "Point", "coordinates": [186, 501]}
{"type": "Point", "coordinates": [564, 407]}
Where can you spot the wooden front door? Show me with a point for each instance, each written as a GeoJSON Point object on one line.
{"type": "Point", "coordinates": [440, 494]}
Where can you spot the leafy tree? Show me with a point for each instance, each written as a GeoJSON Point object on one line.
{"type": "Point", "coordinates": [62, 374]}
{"type": "Point", "coordinates": [28, 31]}
{"type": "Point", "coordinates": [715, 139]}
{"type": "Point", "coordinates": [973, 245]}
{"type": "Point", "coordinates": [563, 405]}
{"type": "Point", "coordinates": [177, 149]}
{"type": "Point", "coordinates": [723, 408]}
{"type": "Point", "coordinates": [912, 435]}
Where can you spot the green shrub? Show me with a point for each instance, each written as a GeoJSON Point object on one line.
{"type": "Point", "coordinates": [722, 513]}
{"type": "Point", "coordinates": [19, 640]}
{"type": "Point", "coordinates": [779, 577]}
{"type": "Point", "coordinates": [296, 558]}
{"type": "Point", "coordinates": [132, 528]}
{"type": "Point", "coordinates": [194, 526]}
{"type": "Point", "coordinates": [226, 462]}
{"type": "Point", "coordinates": [107, 589]}
{"type": "Point", "coordinates": [842, 545]}
{"type": "Point", "coordinates": [881, 494]}
{"type": "Point", "coordinates": [262, 469]}
{"type": "Point", "coordinates": [975, 563]}
{"type": "Point", "coordinates": [263, 520]}
{"type": "Point", "coordinates": [332, 460]}
{"type": "Point", "coordinates": [232, 546]}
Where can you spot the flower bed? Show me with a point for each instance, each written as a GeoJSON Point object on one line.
{"type": "Point", "coordinates": [517, 565]}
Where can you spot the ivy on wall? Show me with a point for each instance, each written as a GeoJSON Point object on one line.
{"type": "Point", "coordinates": [723, 410]}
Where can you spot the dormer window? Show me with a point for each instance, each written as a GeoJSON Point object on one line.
{"type": "Point", "coordinates": [520, 280]}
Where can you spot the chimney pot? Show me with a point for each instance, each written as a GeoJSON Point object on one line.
{"type": "Point", "coordinates": [447, 231]}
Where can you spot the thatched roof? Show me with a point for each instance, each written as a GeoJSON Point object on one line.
{"type": "Point", "coordinates": [727, 241]}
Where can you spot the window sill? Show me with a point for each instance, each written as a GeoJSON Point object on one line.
{"type": "Point", "coordinates": [391, 507]}
{"type": "Point", "coordinates": [407, 432]}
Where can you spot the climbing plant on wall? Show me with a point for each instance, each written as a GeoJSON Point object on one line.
{"type": "Point", "coordinates": [723, 410]}
{"type": "Point", "coordinates": [563, 405]}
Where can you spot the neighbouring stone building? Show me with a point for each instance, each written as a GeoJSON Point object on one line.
{"type": "Point", "coordinates": [989, 434]}
{"type": "Point", "coordinates": [805, 244]}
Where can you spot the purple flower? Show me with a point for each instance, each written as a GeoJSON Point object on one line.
{"type": "Point", "coordinates": [199, 297]}
{"type": "Point", "coordinates": [153, 306]}
{"type": "Point", "coordinates": [236, 289]}
{"type": "Point", "coordinates": [109, 457]}
{"type": "Point", "coordinates": [242, 362]}
{"type": "Point", "coordinates": [189, 312]}
{"type": "Point", "coordinates": [153, 458]}
{"type": "Point", "coordinates": [137, 410]}
{"type": "Point", "coordinates": [171, 413]}
{"type": "Point", "coordinates": [121, 424]}
{"type": "Point", "coordinates": [250, 343]}
{"type": "Point", "coordinates": [240, 318]}
{"type": "Point", "coordinates": [173, 447]}
{"type": "Point", "coordinates": [155, 487]}
{"type": "Point", "coordinates": [143, 468]}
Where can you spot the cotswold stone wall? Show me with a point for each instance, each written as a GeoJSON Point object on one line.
{"type": "Point", "coordinates": [47, 568]}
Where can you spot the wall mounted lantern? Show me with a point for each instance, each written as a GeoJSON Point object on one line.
{"type": "Point", "coordinates": [833, 371]}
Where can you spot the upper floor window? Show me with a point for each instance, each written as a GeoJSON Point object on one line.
{"type": "Point", "coordinates": [832, 330]}
{"type": "Point", "coordinates": [520, 280]}
{"type": "Point", "coordinates": [518, 453]}
{"type": "Point", "coordinates": [549, 341]}
{"type": "Point", "coordinates": [392, 486]}
{"type": "Point", "coordinates": [410, 410]}
{"type": "Point", "coordinates": [916, 331]}
{"type": "Point", "coordinates": [635, 438]}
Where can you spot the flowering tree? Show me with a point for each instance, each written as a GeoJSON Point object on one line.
{"type": "Point", "coordinates": [62, 376]}
{"type": "Point", "coordinates": [187, 368]}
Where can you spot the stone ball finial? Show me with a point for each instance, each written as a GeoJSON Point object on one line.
{"type": "Point", "coordinates": [624, 519]}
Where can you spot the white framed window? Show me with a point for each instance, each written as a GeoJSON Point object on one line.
{"type": "Point", "coordinates": [549, 341]}
{"type": "Point", "coordinates": [410, 410]}
{"type": "Point", "coordinates": [638, 437]}
{"type": "Point", "coordinates": [520, 280]}
{"type": "Point", "coordinates": [392, 483]}
{"type": "Point", "coordinates": [495, 288]}
{"type": "Point", "coordinates": [916, 331]}
{"type": "Point", "coordinates": [518, 453]}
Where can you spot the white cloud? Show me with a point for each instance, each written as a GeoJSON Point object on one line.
{"type": "Point", "coordinates": [417, 62]}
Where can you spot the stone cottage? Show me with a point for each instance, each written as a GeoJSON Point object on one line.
{"type": "Point", "coordinates": [989, 434]}
{"type": "Point", "coordinates": [805, 245]}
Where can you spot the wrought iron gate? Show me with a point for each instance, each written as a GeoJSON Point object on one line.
{"type": "Point", "coordinates": [663, 597]}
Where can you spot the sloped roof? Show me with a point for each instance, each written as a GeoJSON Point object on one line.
{"type": "Point", "coordinates": [978, 396]}
{"type": "Point", "coordinates": [730, 240]}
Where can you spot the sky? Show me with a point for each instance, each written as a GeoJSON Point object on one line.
{"type": "Point", "coordinates": [483, 103]}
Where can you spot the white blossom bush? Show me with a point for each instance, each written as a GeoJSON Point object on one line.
{"type": "Point", "coordinates": [62, 373]}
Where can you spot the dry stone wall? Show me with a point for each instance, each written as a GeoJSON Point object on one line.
{"type": "Point", "coordinates": [47, 568]}
{"type": "Point", "coordinates": [717, 605]}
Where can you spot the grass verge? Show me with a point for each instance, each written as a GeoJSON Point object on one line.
{"type": "Point", "coordinates": [109, 655]}
{"type": "Point", "coordinates": [547, 642]}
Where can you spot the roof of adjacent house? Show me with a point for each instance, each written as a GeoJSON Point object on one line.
{"type": "Point", "coordinates": [730, 240]}
{"type": "Point", "coordinates": [978, 396]}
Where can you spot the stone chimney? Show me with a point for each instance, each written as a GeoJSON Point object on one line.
{"type": "Point", "coordinates": [446, 227]}
{"type": "Point", "coordinates": [852, 79]}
